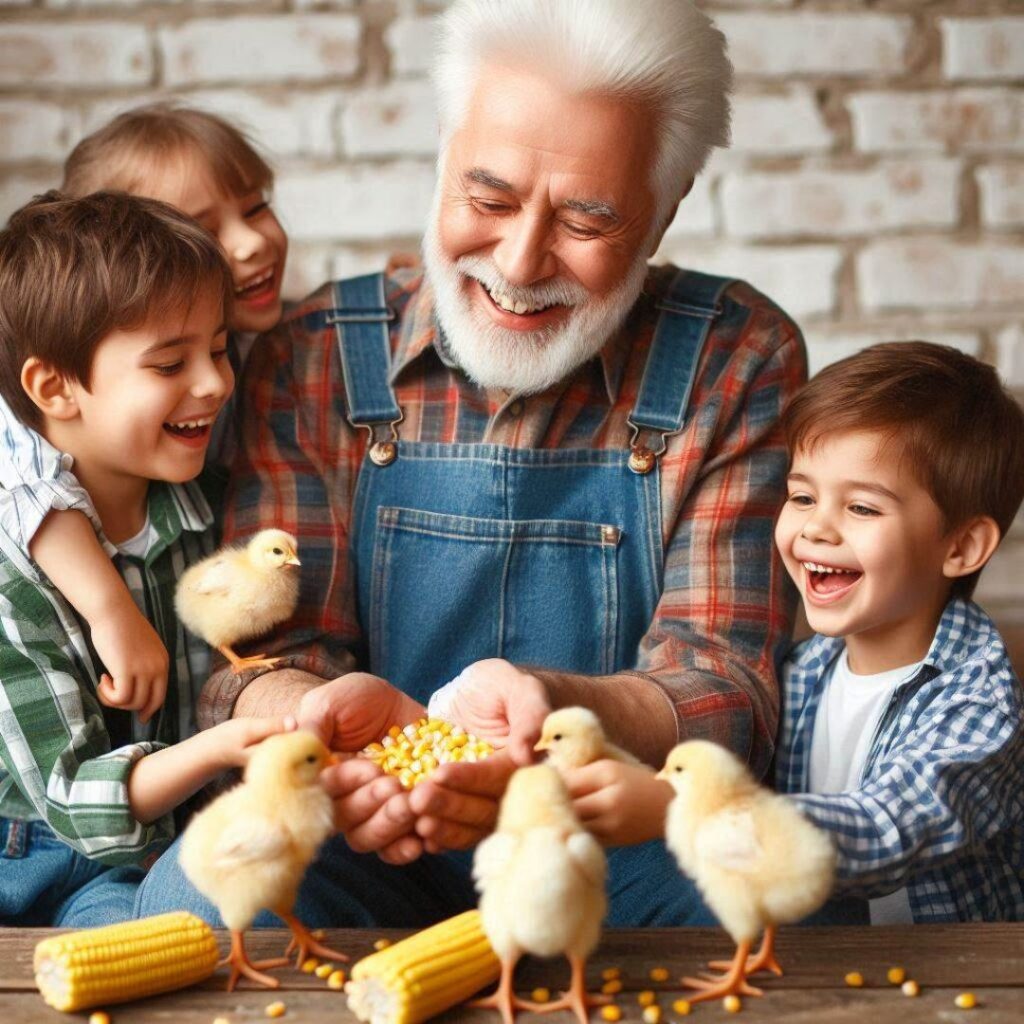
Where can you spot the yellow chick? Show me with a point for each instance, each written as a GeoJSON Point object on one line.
{"type": "Point", "coordinates": [249, 848]}
{"type": "Point", "coordinates": [756, 859]}
{"type": "Point", "coordinates": [541, 881]}
{"type": "Point", "coordinates": [240, 593]}
{"type": "Point", "coordinates": [573, 737]}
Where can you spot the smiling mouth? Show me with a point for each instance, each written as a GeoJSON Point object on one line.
{"type": "Point", "coordinates": [257, 285]}
{"type": "Point", "coordinates": [829, 581]}
{"type": "Point", "coordinates": [190, 429]}
{"type": "Point", "coordinates": [514, 306]}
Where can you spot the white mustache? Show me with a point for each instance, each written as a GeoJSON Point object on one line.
{"type": "Point", "coordinates": [556, 292]}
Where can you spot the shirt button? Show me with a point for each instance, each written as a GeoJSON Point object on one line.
{"type": "Point", "coordinates": [516, 408]}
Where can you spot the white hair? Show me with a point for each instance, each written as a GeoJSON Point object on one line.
{"type": "Point", "coordinates": [663, 53]}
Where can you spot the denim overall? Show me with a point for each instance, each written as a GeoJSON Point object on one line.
{"type": "Point", "coordinates": [546, 557]}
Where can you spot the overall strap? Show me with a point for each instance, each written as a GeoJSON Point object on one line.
{"type": "Point", "coordinates": [361, 318]}
{"type": "Point", "coordinates": [687, 309]}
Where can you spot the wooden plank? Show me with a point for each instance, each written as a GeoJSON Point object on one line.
{"type": "Point", "coordinates": [802, 1006]}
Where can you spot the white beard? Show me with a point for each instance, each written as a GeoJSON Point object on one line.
{"type": "Point", "coordinates": [524, 363]}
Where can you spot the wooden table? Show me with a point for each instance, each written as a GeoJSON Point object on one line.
{"type": "Point", "coordinates": [987, 960]}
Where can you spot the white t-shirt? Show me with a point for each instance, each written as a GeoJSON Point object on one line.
{"type": "Point", "coordinates": [844, 726]}
{"type": "Point", "coordinates": [138, 545]}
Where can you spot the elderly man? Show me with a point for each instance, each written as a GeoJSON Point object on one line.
{"type": "Point", "coordinates": [539, 465]}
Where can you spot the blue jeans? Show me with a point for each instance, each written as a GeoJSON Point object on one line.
{"type": "Point", "coordinates": [343, 889]}
{"type": "Point", "coordinates": [44, 882]}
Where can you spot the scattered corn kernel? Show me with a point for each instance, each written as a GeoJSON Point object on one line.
{"type": "Point", "coordinates": [412, 752]}
{"type": "Point", "coordinates": [652, 1014]}
{"type": "Point", "coordinates": [854, 979]}
{"type": "Point", "coordinates": [310, 965]}
{"type": "Point", "coordinates": [911, 988]}
{"type": "Point", "coordinates": [277, 1009]}
{"type": "Point", "coordinates": [324, 970]}
{"type": "Point", "coordinates": [966, 1001]}
{"type": "Point", "coordinates": [896, 975]}
{"type": "Point", "coordinates": [541, 995]}
{"type": "Point", "coordinates": [336, 980]}
{"type": "Point", "coordinates": [732, 1004]}
{"type": "Point", "coordinates": [99, 1018]}
{"type": "Point", "coordinates": [611, 988]}
{"type": "Point", "coordinates": [646, 998]}
{"type": "Point", "coordinates": [319, 934]}
{"type": "Point", "coordinates": [611, 1012]}
{"type": "Point", "coordinates": [659, 974]}
{"type": "Point", "coordinates": [611, 973]}
{"type": "Point", "coordinates": [221, 1020]}
{"type": "Point", "coordinates": [381, 944]}
{"type": "Point", "coordinates": [682, 1007]}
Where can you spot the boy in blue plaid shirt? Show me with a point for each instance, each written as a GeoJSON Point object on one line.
{"type": "Point", "coordinates": [903, 733]}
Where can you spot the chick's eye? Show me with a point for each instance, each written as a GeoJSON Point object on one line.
{"type": "Point", "coordinates": [278, 551]}
{"type": "Point", "coordinates": [311, 759]}
{"type": "Point", "coordinates": [679, 768]}
{"type": "Point", "coordinates": [557, 736]}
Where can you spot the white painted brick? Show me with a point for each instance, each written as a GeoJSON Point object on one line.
{"type": "Point", "coordinates": [306, 270]}
{"type": "Point", "coordinates": [1010, 346]}
{"type": "Point", "coordinates": [306, 5]}
{"type": "Point", "coordinates": [826, 347]}
{"type": "Point", "coordinates": [1002, 195]}
{"type": "Point", "coordinates": [18, 189]}
{"type": "Point", "coordinates": [356, 203]}
{"type": "Point", "coordinates": [696, 213]}
{"type": "Point", "coordinates": [940, 274]}
{"type": "Point", "coordinates": [779, 125]}
{"type": "Point", "coordinates": [973, 120]}
{"type": "Point", "coordinates": [351, 262]}
{"type": "Point", "coordinates": [31, 130]}
{"type": "Point", "coordinates": [832, 202]}
{"type": "Point", "coordinates": [80, 55]}
{"type": "Point", "coordinates": [410, 41]}
{"type": "Point", "coordinates": [261, 49]}
{"type": "Point", "coordinates": [989, 48]}
{"type": "Point", "coordinates": [396, 119]}
{"type": "Point", "coordinates": [802, 279]}
{"type": "Point", "coordinates": [809, 43]}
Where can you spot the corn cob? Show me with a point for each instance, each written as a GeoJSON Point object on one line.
{"type": "Point", "coordinates": [425, 974]}
{"type": "Point", "coordinates": [124, 961]}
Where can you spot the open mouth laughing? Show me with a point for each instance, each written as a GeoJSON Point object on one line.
{"type": "Point", "coordinates": [828, 583]}
{"type": "Point", "coordinates": [260, 287]}
{"type": "Point", "coordinates": [517, 312]}
{"type": "Point", "coordinates": [192, 432]}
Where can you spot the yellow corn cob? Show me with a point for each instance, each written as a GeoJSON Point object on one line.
{"type": "Point", "coordinates": [425, 974]}
{"type": "Point", "coordinates": [124, 961]}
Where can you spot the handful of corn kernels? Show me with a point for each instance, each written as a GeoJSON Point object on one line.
{"type": "Point", "coordinates": [413, 752]}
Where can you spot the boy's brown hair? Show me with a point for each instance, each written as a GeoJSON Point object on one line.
{"type": "Point", "coordinates": [72, 271]}
{"type": "Point", "coordinates": [143, 142]}
{"type": "Point", "coordinates": [947, 413]}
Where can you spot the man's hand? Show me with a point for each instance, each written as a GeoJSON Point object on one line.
{"type": "Point", "coordinates": [457, 805]}
{"type": "Point", "coordinates": [502, 704]}
{"type": "Point", "coordinates": [356, 709]}
{"type": "Point", "coordinates": [136, 660]}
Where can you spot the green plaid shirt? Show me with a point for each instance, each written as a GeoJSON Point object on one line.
{"type": "Point", "coordinates": [63, 757]}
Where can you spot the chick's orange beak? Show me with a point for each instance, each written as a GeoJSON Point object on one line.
{"type": "Point", "coordinates": [294, 560]}
{"type": "Point", "coordinates": [332, 760]}
{"type": "Point", "coordinates": [542, 745]}
{"type": "Point", "coordinates": [663, 774]}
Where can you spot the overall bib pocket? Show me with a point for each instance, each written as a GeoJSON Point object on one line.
{"type": "Point", "coordinates": [533, 591]}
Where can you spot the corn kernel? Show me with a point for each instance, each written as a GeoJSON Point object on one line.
{"type": "Point", "coordinates": [611, 973]}
{"type": "Point", "coordinates": [646, 998]}
{"type": "Point", "coordinates": [541, 995]}
{"type": "Point", "coordinates": [310, 965]}
{"type": "Point", "coordinates": [732, 1004]}
{"type": "Point", "coordinates": [911, 988]}
{"type": "Point", "coordinates": [324, 970]}
{"type": "Point", "coordinates": [682, 1007]}
{"type": "Point", "coordinates": [277, 1009]}
{"type": "Point", "coordinates": [652, 1014]}
{"type": "Point", "coordinates": [221, 1020]}
{"type": "Point", "coordinates": [854, 979]}
{"type": "Point", "coordinates": [336, 980]}
{"type": "Point", "coordinates": [611, 988]}
{"type": "Point", "coordinates": [896, 975]}
{"type": "Point", "coordinates": [966, 1001]}
{"type": "Point", "coordinates": [659, 974]}
{"type": "Point", "coordinates": [381, 944]}
{"type": "Point", "coordinates": [611, 1012]}
{"type": "Point", "coordinates": [99, 1017]}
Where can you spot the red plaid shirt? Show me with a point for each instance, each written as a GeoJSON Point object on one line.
{"type": "Point", "coordinates": [726, 607]}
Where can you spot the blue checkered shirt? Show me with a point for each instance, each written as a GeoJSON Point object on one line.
{"type": "Point", "coordinates": [940, 806]}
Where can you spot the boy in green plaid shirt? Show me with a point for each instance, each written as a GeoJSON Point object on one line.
{"type": "Point", "coordinates": [113, 348]}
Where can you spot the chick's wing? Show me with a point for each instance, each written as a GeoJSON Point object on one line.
{"type": "Point", "coordinates": [493, 857]}
{"type": "Point", "coordinates": [586, 853]}
{"type": "Point", "coordinates": [217, 577]}
{"type": "Point", "coordinates": [249, 841]}
{"type": "Point", "coordinates": [729, 840]}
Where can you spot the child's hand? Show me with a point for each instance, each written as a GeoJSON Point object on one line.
{"type": "Point", "coordinates": [136, 661]}
{"type": "Point", "coordinates": [233, 741]}
{"type": "Point", "coordinates": [619, 803]}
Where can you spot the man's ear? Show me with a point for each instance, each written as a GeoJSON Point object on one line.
{"type": "Point", "coordinates": [50, 390]}
{"type": "Point", "coordinates": [669, 217]}
{"type": "Point", "coordinates": [971, 546]}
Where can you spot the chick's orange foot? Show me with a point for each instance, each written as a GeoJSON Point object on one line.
{"type": "Point", "coordinates": [732, 983]}
{"type": "Point", "coordinates": [306, 943]}
{"type": "Point", "coordinates": [241, 966]}
{"type": "Point", "coordinates": [577, 999]}
{"type": "Point", "coordinates": [762, 960]}
{"type": "Point", "coordinates": [239, 664]}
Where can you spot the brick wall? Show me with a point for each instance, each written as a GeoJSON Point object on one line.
{"type": "Point", "coordinates": [875, 187]}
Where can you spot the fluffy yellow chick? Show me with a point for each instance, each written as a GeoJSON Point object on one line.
{"type": "Point", "coordinates": [249, 848]}
{"type": "Point", "coordinates": [240, 593]}
{"type": "Point", "coordinates": [573, 737]}
{"type": "Point", "coordinates": [541, 881]}
{"type": "Point", "coordinates": [756, 859]}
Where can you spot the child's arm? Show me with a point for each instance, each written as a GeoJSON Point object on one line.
{"type": "Point", "coordinates": [620, 804]}
{"type": "Point", "coordinates": [67, 549]}
{"type": "Point", "coordinates": [162, 780]}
